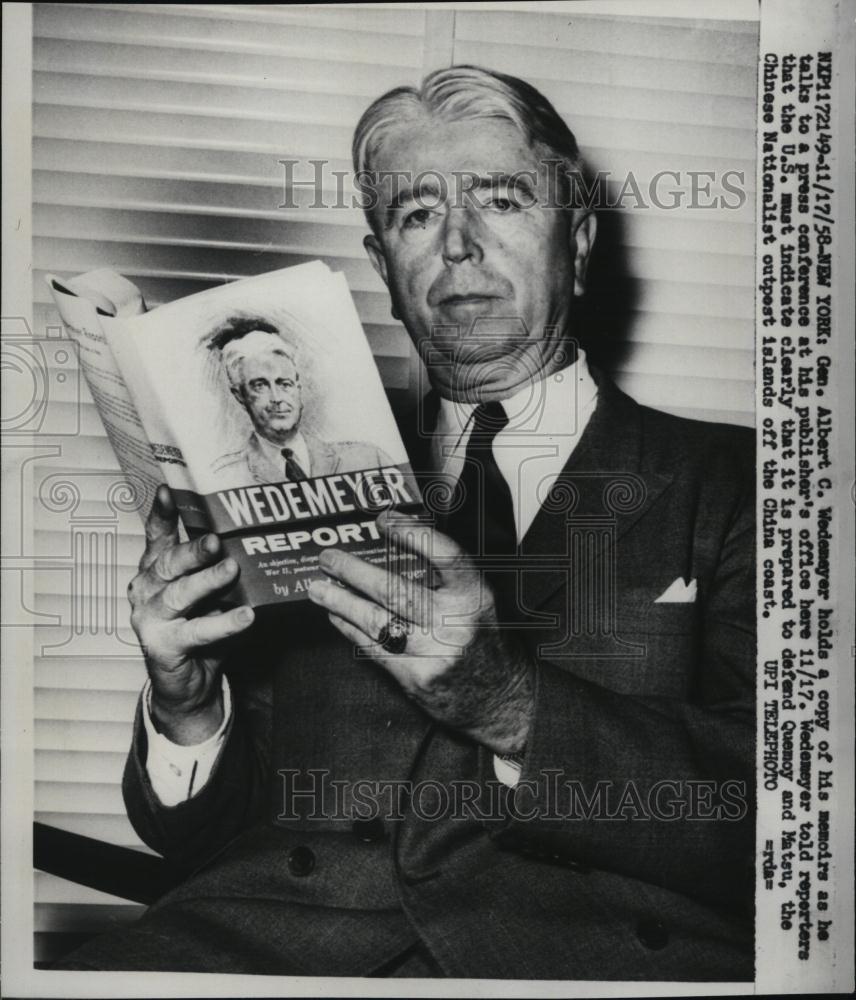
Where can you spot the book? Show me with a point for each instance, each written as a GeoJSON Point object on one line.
{"type": "Point", "coordinates": [259, 404]}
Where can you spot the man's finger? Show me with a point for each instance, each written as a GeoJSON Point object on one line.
{"type": "Point", "coordinates": [398, 666]}
{"type": "Point", "coordinates": [187, 591]}
{"type": "Point", "coordinates": [385, 587]}
{"type": "Point", "coordinates": [199, 632]}
{"type": "Point", "coordinates": [352, 633]}
{"type": "Point", "coordinates": [188, 557]}
{"type": "Point", "coordinates": [414, 535]}
{"type": "Point", "coordinates": [161, 526]}
{"type": "Point", "coordinates": [365, 615]}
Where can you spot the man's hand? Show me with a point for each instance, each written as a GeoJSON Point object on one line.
{"type": "Point", "coordinates": [178, 636]}
{"type": "Point", "coordinates": [459, 665]}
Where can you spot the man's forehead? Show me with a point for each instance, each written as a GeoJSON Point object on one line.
{"type": "Point", "coordinates": [265, 360]}
{"type": "Point", "coordinates": [473, 147]}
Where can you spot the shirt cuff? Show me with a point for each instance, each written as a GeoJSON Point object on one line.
{"type": "Point", "coordinates": [176, 772]}
{"type": "Point", "coordinates": [507, 769]}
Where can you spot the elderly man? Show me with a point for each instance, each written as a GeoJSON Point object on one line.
{"type": "Point", "coordinates": [538, 762]}
{"type": "Point", "coordinates": [263, 376]}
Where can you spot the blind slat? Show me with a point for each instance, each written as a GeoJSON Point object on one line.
{"type": "Point", "coordinates": [684, 362]}
{"type": "Point", "coordinates": [61, 797]}
{"type": "Point", "coordinates": [103, 675]}
{"type": "Point", "coordinates": [49, 889]}
{"type": "Point", "coordinates": [612, 36]}
{"type": "Point", "coordinates": [401, 22]}
{"type": "Point", "coordinates": [211, 264]}
{"type": "Point", "coordinates": [301, 72]}
{"type": "Point", "coordinates": [281, 138]}
{"type": "Point", "coordinates": [669, 73]}
{"type": "Point", "coordinates": [191, 197]}
{"type": "Point", "coordinates": [80, 767]}
{"type": "Point", "coordinates": [730, 333]}
{"type": "Point", "coordinates": [83, 917]}
{"type": "Point", "coordinates": [123, 160]}
{"type": "Point", "coordinates": [227, 233]}
{"type": "Point", "coordinates": [126, 25]}
{"type": "Point", "coordinates": [72, 735]}
{"type": "Point", "coordinates": [79, 90]}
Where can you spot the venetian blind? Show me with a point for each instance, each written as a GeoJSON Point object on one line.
{"type": "Point", "coordinates": [157, 136]}
{"type": "Point", "coordinates": [158, 132]}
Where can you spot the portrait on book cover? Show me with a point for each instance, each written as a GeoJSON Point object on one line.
{"type": "Point", "coordinates": [269, 380]}
{"type": "Point", "coordinates": [263, 371]}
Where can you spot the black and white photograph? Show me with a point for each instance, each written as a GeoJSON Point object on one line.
{"type": "Point", "coordinates": [567, 288]}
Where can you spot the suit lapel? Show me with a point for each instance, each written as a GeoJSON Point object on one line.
{"type": "Point", "coordinates": [605, 486]}
{"type": "Point", "coordinates": [603, 491]}
{"type": "Point", "coordinates": [262, 469]}
{"type": "Point", "coordinates": [323, 459]}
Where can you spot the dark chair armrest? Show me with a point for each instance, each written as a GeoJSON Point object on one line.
{"type": "Point", "coordinates": [119, 871]}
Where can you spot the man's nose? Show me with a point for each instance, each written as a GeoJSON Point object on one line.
{"type": "Point", "coordinates": [461, 236]}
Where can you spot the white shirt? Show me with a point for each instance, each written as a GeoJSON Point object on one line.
{"type": "Point", "coordinates": [178, 772]}
{"type": "Point", "coordinates": [297, 444]}
{"type": "Point", "coordinates": [546, 421]}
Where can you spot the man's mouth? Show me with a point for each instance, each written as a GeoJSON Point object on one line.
{"type": "Point", "coordinates": [468, 287]}
{"type": "Point", "coordinates": [468, 304]}
{"type": "Point", "coordinates": [467, 297]}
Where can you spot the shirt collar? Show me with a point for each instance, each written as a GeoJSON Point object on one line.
{"type": "Point", "coordinates": [550, 406]}
{"type": "Point", "coordinates": [273, 452]}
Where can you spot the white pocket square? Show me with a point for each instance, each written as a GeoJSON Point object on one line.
{"type": "Point", "coordinates": [678, 593]}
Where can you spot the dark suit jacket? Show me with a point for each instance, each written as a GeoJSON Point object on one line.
{"type": "Point", "coordinates": [634, 692]}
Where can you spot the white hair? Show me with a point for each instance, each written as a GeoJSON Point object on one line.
{"type": "Point", "coordinates": [251, 344]}
{"type": "Point", "coordinates": [460, 93]}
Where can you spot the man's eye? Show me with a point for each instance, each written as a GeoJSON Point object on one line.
{"type": "Point", "coordinates": [418, 218]}
{"type": "Point", "coordinates": [502, 204]}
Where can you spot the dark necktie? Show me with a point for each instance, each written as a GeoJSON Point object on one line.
{"type": "Point", "coordinates": [484, 524]}
{"type": "Point", "coordinates": [293, 471]}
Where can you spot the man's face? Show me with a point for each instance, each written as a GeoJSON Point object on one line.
{"type": "Point", "coordinates": [485, 281]}
{"type": "Point", "coordinates": [270, 392]}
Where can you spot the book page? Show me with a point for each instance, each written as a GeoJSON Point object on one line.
{"type": "Point", "coordinates": [87, 327]}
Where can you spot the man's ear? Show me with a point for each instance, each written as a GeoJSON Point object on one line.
{"type": "Point", "coordinates": [378, 259]}
{"type": "Point", "coordinates": [583, 235]}
{"type": "Point", "coordinates": [236, 392]}
{"type": "Point", "coordinates": [376, 256]}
